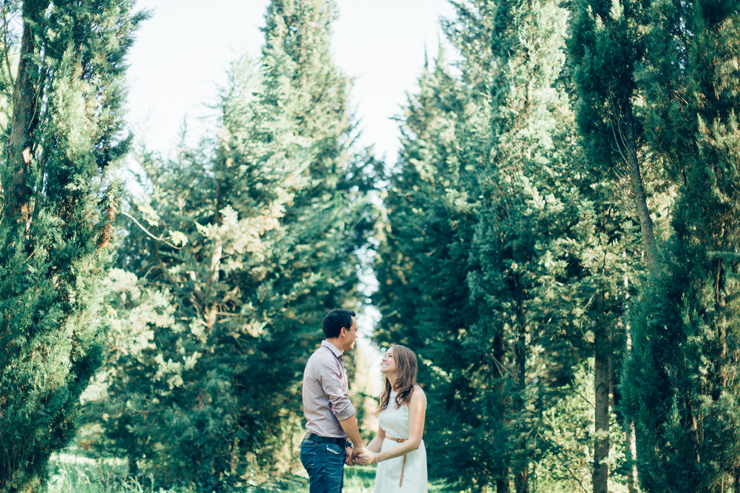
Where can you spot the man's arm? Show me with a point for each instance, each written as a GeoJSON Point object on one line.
{"type": "Point", "coordinates": [349, 426]}
{"type": "Point", "coordinates": [330, 378]}
{"type": "Point", "coordinates": [377, 443]}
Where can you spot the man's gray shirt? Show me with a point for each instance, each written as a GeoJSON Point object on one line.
{"type": "Point", "coordinates": [326, 392]}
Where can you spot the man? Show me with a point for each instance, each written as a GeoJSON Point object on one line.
{"type": "Point", "coordinates": [330, 416]}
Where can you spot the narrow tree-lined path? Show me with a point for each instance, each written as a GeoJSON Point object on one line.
{"type": "Point", "coordinates": [557, 240]}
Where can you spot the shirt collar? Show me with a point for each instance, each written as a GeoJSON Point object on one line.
{"type": "Point", "coordinates": [334, 350]}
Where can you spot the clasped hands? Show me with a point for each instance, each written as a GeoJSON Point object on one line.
{"type": "Point", "coordinates": [360, 456]}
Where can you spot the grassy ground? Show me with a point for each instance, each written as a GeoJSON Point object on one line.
{"type": "Point", "coordinates": [73, 474]}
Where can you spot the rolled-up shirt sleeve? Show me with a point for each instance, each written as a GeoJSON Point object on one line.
{"type": "Point", "coordinates": [330, 377]}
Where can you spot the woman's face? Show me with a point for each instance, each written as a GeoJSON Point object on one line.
{"type": "Point", "coordinates": [388, 364]}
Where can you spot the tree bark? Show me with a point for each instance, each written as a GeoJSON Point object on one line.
{"type": "Point", "coordinates": [632, 478]}
{"type": "Point", "coordinates": [521, 470]}
{"type": "Point", "coordinates": [25, 116]}
{"type": "Point", "coordinates": [107, 233]}
{"type": "Point", "coordinates": [521, 480]}
{"type": "Point", "coordinates": [502, 486]}
{"type": "Point", "coordinates": [602, 354]}
{"type": "Point", "coordinates": [629, 144]}
{"type": "Point", "coordinates": [499, 352]}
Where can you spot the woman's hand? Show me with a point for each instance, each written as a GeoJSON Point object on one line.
{"type": "Point", "coordinates": [368, 458]}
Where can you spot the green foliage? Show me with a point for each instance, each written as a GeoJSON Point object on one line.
{"type": "Point", "coordinates": [680, 379]}
{"type": "Point", "coordinates": [478, 268]}
{"type": "Point", "coordinates": [566, 436]}
{"type": "Point", "coordinates": [54, 259]}
{"type": "Point", "coordinates": [530, 179]}
{"type": "Point", "coordinates": [79, 474]}
{"type": "Point", "coordinates": [421, 262]}
{"type": "Point", "coordinates": [605, 47]}
{"type": "Point", "coordinates": [263, 226]}
{"type": "Point", "coordinates": [505, 254]}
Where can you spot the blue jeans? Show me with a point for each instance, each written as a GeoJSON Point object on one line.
{"type": "Point", "coordinates": [324, 463]}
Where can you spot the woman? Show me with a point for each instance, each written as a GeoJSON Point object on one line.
{"type": "Point", "coordinates": [398, 448]}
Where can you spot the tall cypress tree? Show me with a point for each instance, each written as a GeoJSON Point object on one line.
{"type": "Point", "coordinates": [421, 264]}
{"type": "Point", "coordinates": [274, 210]}
{"type": "Point", "coordinates": [524, 203]}
{"type": "Point", "coordinates": [66, 135]}
{"type": "Point", "coordinates": [681, 377]}
{"type": "Point", "coordinates": [427, 212]}
{"type": "Point", "coordinates": [485, 151]}
{"type": "Point", "coordinates": [606, 47]}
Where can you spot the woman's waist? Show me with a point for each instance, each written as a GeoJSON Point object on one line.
{"type": "Point", "coordinates": [400, 438]}
{"type": "Point", "coordinates": [396, 441]}
{"type": "Point", "coordinates": [390, 444]}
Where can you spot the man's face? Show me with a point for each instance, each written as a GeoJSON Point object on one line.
{"type": "Point", "coordinates": [350, 335]}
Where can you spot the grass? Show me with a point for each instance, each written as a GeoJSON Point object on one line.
{"type": "Point", "coordinates": [69, 473]}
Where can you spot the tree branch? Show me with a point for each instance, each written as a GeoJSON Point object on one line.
{"type": "Point", "coordinates": [148, 233]}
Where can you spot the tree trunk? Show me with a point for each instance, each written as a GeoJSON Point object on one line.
{"type": "Point", "coordinates": [521, 480]}
{"type": "Point", "coordinates": [25, 116]}
{"type": "Point", "coordinates": [105, 235]}
{"type": "Point", "coordinates": [631, 479]}
{"type": "Point", "coordinates": [521, 468]}
{"type": "Point", "coordinates": [602, 355]}
{"type": "Point", "coordinates": [499, 352]}
{"type": "Point", "coordinates": [502, 486]}
{"type": "Point", "coordinates": [629, 142]}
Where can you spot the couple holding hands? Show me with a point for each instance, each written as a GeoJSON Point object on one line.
{"type": "Point", "coordinates": [333, 439]}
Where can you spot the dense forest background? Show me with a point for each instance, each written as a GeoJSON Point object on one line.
{"type": "Point", "coordinates": [558, 240]}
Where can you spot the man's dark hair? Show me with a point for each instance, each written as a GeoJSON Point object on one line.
{"type": "Point", "coordinates": [335, 320]}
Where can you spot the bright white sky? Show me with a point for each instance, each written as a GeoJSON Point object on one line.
{"type": "Point", "coordinates": [181, 55]}
{"type": "Point", "coordinates": [182, 52]}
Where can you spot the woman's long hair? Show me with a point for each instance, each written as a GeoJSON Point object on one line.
{"type": "Point", "coordinates": [406, 367]}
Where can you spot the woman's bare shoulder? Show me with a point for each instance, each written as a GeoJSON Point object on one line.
{"type": "Point", "coordinates": [418, 395]}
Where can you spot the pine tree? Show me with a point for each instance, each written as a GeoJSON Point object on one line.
{"type": "Point", "coordinates": [605, 47]}
{"type": "Point", "coordinates": [274, 211]}
{"type": "Point", "coordinates": [680, 381]}
{"type": "Point", "coordinates": [438, 285]}
{"type": "Point", "coordinates": [421, 264]}
{"type": "Point", "coordinates": [60, 196]}
{"type": "Point", "coordinates": [525, 202]}
{"type": "Point", "coordinates": [427, 208]}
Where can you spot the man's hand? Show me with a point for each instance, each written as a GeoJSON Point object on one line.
{"type": "Point", "coordinates": [358, 462]}
{"type": "Point", "coordinates": [349, 460]}
{"type": "Point", "coordinates": [368, 458]}
{"type": "Point", "coordinates": [356, 454]}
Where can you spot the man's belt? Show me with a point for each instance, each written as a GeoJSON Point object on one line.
{"type": "Point", "coordinates": [314, 438]}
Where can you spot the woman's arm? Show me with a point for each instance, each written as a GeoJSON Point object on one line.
{"type": "Point", "coordinates": [377, 442]}
{"type": "Point", "coordinates": [417, 411]}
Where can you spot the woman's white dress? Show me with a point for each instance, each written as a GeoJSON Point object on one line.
{"type": "Point", "coordinates": [395, 422]}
